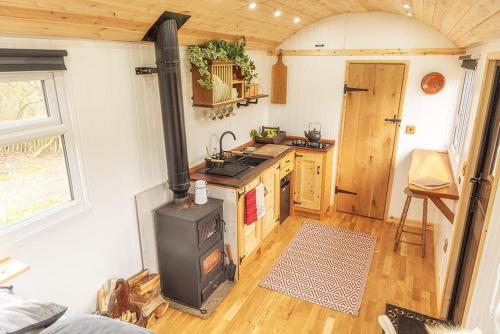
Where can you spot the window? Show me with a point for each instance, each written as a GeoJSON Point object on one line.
{"type": "Point", "coordinates": [40, 178]}
{"type": "Point", "coordinates": [461, 117]}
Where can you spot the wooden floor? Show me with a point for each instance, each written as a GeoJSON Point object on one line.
{"type": "Point", "coordinates": [402, 278]}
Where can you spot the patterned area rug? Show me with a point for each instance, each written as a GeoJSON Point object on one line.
{"type": "Point", "coordinates": [324, 265]}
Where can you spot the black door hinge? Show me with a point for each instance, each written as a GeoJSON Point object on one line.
{"type": "Point", "coordinates": [342, 191]}
{"type": "Point", "coordinates": [348, 89]}
{"type": "Point", "coordinates": [145, 70]}
{"type": "Point", "coordinates": [394, 119]}
{"type": "Point", "coordinates": [476, 179]}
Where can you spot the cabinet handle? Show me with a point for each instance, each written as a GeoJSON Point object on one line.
{"type": "Point", "coordinates": [265, 191]}
{"type": "Point", "coordinates": [317, 170]}
{"type": "Point", "coordinates": [287, 161]}
{"type": "Point", "coordinates": [298, 155]}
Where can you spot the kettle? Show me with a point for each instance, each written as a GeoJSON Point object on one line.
{"type": "Point", "coordinates": [313, 135]}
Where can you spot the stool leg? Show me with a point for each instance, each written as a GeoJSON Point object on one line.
{"type": "Point", "coordinates": [424, 227]}
{"type": "Point", "coordinates": [402, 221]}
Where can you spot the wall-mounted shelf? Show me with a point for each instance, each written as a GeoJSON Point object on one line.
{"type": "Point", "coordinates": [228, 85]}
{"type": "Point", "coordinates": [221, 104]}
{"type": "Point", "coordinates": [251, 100]}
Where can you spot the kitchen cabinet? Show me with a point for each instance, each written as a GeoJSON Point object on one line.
{"type": "Point", "coordinates": [271, 180]}
{"type": "Point", "coordinates": [251, 237]}
{"type": "Point", "coordinates": [313, 182]}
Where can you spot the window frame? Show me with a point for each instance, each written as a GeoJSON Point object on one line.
{"type": "Point", "coordinates": [461, 120]}
{"type": "Point", "coordinates": [59, 123]}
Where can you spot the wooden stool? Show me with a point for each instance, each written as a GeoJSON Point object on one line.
{"type": "Point", "coordinates": [410, 194]}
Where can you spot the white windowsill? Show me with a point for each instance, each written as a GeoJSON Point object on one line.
{"type": "Point", "coordinates": [43, 221]}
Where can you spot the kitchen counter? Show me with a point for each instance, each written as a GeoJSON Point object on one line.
{"type": "Point", "coordinates": [240, 180]}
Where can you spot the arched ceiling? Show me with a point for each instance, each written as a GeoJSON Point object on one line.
{"type": "Point", "coordinates": [464, 22]}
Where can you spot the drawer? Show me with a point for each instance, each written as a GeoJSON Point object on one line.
{"type": "Point", "coordinates": [288, 162]}
{"type": "Point", "coordinates": [285, 171]}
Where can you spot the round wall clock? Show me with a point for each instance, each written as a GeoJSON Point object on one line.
{"type": "Point", "coordinates": [433, 83]}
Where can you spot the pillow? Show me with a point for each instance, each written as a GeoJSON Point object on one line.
{"type": "Point", "coordinates": [19, 315]}
{"type": "Point", "coordinates": [92, 324]}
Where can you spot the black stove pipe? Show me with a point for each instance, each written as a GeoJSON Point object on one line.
{"type": "Point", "coordinates": [164, 34]}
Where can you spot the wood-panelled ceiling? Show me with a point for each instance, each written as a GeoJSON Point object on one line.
{"type": "Point", "coordinates": [465, 22]}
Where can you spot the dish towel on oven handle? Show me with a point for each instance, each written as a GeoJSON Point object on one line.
{"type": "Point", "coordinates": [250, 207]}
{"type": "Point", "coordinates": [261, 202]}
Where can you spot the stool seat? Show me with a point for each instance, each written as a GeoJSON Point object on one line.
{"type": "Point", "coordinates": [409, 195]}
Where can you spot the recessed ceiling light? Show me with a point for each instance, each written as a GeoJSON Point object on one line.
{"type": "Point", "coordinates": [296, 20]}
{"type": "Point", "coordinates": [277, 13]}
{"type": "Point", "coordinates": [252, 5]}
{"type": "Point", "coordinates": [406, 6]}
{"type": "Point", "coordinates": [409, 14]}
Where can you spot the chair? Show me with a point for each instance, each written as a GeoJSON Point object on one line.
{"type": "Point", "coordinates": [409, 195]}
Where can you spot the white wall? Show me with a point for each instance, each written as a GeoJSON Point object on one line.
{"type": "Point", "coordinates": [479, 314]}
{"type": "Point", "coordinates": [315, 93]}
{"type": "Point", "coordinates": [118, 118]}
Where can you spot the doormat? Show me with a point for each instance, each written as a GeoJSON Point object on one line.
{"type": "Point", "coordinates": [324, 265]}
{"type": "Point", "coordinates": [410, 322]}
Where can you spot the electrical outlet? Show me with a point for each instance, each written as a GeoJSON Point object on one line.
{"type": "Point", "coordinates": [410, 129]}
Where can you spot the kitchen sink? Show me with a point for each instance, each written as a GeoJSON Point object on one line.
{"type": "Point", "coordinates": [235, 164]}
{"type": "Point", "coordinates": [251, 160]}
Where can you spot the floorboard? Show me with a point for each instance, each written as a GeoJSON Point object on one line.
{"type": "Point", "coordinates": [402, 278]}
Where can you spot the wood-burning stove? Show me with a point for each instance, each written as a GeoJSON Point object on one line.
{"type": "Point", "coordinates": [190, 237]}
{"type": "Point", "coordinates": [190, 241]}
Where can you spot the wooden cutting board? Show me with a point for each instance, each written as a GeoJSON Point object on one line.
{"type": "Point", "coordinates": [279, 81]}
{"type": "Point", "coordinates": [270, 150]}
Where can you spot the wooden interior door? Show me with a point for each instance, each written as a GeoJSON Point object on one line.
{"type": "Point", "coordinates": [308, 178]}
{"type": "Point", "coordinates": [370, 125]}
{"type": "Point", "coordinates": [483, 182]}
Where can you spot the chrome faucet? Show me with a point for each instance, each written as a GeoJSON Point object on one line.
{"type": "Point", "coordinates": [221, 152]}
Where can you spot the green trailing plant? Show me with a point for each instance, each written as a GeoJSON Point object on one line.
{"type": "Point", "coordinates": [200, 55]}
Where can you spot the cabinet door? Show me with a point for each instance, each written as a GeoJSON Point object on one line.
{"type": "Point", "coordinates": [308, 178]}
{"type": "Point", "coordinates": [269, 180]}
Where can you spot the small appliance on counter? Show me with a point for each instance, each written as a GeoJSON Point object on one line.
{"type": "Point", "coordinates": [314, 134]}
{"type": "Point", "coordinates": [309, 144]}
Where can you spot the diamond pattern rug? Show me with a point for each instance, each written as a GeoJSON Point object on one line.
{"type": "Point", "coordinates": [324, 265]}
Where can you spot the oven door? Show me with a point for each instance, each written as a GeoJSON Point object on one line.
{"type": "Point", "coordinates": [212, 262]}
{"type": "Point", "coordinates": [209, 229]}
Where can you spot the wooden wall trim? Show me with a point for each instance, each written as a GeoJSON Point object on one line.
{"type": "Point", "coordinates": [371, 52]}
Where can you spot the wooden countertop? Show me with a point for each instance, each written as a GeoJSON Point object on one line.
{"type": "Point", "coordinates": [240, 180]}
{"type": "Point", "coordinates": [435, 164]}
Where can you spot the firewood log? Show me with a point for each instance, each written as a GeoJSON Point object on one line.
{"type": "Point", "coordinates": [147, 284]}
{"type": "Point", "coordinates": [152, 305]}
{"type": "Point", "coordinates": [151, 321]}
{"type": "Point", "coordinates": [137, 278]}
{"type": "Point", "coordinates": [161, 310]}
{"type": "Point", "coordinates": [101, 303]}
{"type": "Point", "coordinates": [141, 300]}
